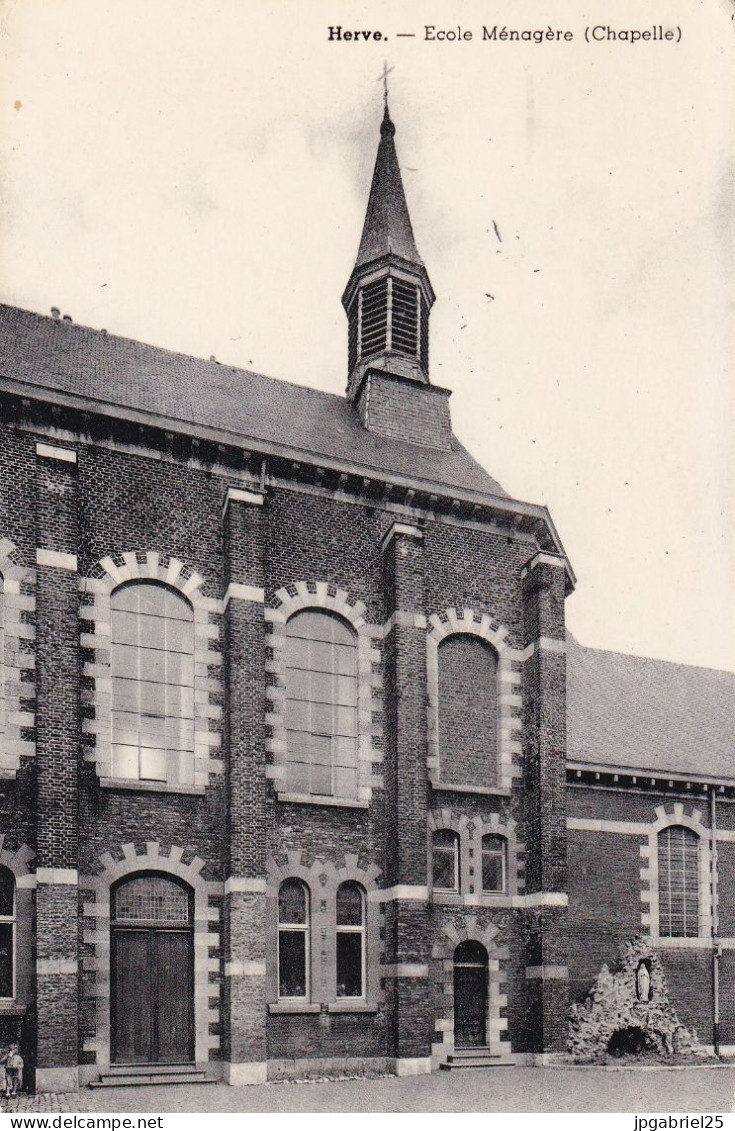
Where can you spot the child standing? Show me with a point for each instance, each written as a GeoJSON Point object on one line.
{"type": "Point", "coordinates": [13, 1071]}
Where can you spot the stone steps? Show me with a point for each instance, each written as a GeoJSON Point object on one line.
{"type": "Point", "coordinates": [476, 1058]}
{"type": "Point", "coordinates": [148, 1075]}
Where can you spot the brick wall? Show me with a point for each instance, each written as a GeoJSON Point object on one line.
{"type": "Point", "coordinates": [605, 907]}
{"type": "Point", "coordinates": [402, 409]}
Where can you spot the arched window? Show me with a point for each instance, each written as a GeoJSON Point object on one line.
{"type": "Point", "coordinates": [7, 934]}
{"type": "Point", "coordinates": [445, 860]}
{"type": "Point", "coordinates": [152, 655]}
{"type": "Point", "coordinates": [678, 883]}
{"type": "Point", "coordinates": [321, 706]}
{"type": "Point", "coordinates": [494, 863]}
{"type": "Point", "coordinates": [293, 940]}
{"type": "Point", "coordinates": [154, 899]}
{"type": "Point", "coordinates": [350, 941]}
{"type": "Point", "coordinates": [468, 711]}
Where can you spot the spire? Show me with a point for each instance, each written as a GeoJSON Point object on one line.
{"type": "Point", "coordinates": [387, 228]}
{"type": "Point", "coordinates": [388, 296]}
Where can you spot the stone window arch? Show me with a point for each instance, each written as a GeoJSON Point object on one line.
{"type": "Point", "coordinates": [324, 879]}
{"type": "Point", "coordinates": [109, 579]}
{"type": "Point", "coordinates": [294, 777]}
{"type": "Point", "coordinates": [471, 831]}
{"type": "Point", "coordinates": [17, 659]}
{"type": "Point", "coordinates": [656, 917]}
{"type": "Point", "coordinates": [457, 638]}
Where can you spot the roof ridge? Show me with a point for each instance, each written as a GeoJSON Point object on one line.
{"type": "Point", "coordinates": [109, 335]}
{"type": "Point", "coordinates": [651, 659]}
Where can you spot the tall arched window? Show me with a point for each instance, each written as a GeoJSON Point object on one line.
{"type": "Point", "coordinates": [350, 940]}
{"type": "Point", "coordinates": [293, 940]}
{"type": "Point", "coordinates": [494, 863]}
{"type": "Point", "coordinates": [321, 706]}
{"type": "Point", "coordinates": [678, 882]}
{"type": "Point", "coordinates": [468, 711]}
{"type": "Point", "coordinates": [445, 860]}
{"type": "Point", "coordinates": [7, 934]}
{"type": "Point", "coordinates": [152, 656]}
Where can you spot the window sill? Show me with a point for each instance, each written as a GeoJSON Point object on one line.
{"type": "Point", "coordinates": [346, 1006]}
{"type": "Point", "coordinates": [484, 790]}
{"type": "Point", "coordinates": [12, 1009]}
{"type": "Point", "coordinates": [683, 942]}
{"type": "Point", "coordinates": [151, 786]}
{"type": "Point", "coordinates": [318, 799]}
{"type": "Point", "coordinates": [472, 899]}
{"type": "Point", "coordinates": [294, 1007]}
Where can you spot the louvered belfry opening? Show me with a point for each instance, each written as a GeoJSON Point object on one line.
{"type": "Point", "coordinates": [424, 336]}
{"type": "Point", "coordinates": [388, 315]}
{"type": "Point", "coordinates": [374, 318]}
{"type": "Point", "coordinates": [404, 324]}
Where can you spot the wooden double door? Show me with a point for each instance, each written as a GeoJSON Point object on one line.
{"type": "Point", "coordinates": [152, 987]}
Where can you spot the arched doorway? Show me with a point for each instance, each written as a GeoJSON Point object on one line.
{"type": "Point", "coordinates": [151, 977]}
{"type": "Point", "coordinates": [470, 995]}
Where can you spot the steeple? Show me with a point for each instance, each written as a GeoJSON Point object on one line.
{"type": "Point", "coordinates": [388, 296]}
{"type": "Point", "coordinates": [387, 229]}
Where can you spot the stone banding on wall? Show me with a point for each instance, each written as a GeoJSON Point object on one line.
{"type": "Point", "coordinates": [97, 590]}
{"type": "Point", "coordinates": [17, 660]}
{"type": "Point", "coordinates": [442, 952]}
{"type": "Point", "coordinates": [97, 908]}
{"type": "Point", "coordinates": [452, 622]}
{"type": "Point", "coordinates": [691, 818]}
{"type": "Point", "coordinates": [322, 595]}
{"type": "Point", "coordinates": [471, 830]}
{"type": "Point", "coordinates": [323, 878]}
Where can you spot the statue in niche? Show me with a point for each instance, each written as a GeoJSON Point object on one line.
{"type": "Point", "coordinates": [643, 981]}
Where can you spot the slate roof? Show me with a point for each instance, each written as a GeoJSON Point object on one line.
{"type": "Point", "coordinates": [109, 372]}
{"type": "Point", "coordinates": [387, 229]}
{"type": "Point", "coordinates": [638, 713]}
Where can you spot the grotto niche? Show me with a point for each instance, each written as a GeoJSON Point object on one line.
{"type": "Point", "coordinates": [627, 1013]}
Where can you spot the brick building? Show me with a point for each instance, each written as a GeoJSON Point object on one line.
{"type": "Point", "coordinates": [297, 761]}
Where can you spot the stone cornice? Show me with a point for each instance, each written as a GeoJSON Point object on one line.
{"type": "Point", "coordinates": [646, 780]}
{"type": "Point", "coordinates": [286, 463]}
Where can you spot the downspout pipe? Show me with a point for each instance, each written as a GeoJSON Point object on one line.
{"type": "Point", "coordinates": [716, 948]}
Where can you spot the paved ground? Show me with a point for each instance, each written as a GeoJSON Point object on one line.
{"type": "Point", "coordinates": [642, 1091]}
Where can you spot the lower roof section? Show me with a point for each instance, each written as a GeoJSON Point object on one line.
{"type": "Point", "coordinates": [632, 714]}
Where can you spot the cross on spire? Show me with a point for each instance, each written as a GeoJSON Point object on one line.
{"type": "Point", "coordinates": [384, 77]}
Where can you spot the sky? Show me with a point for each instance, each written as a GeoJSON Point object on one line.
{"type": "Point", "coordinates": [195, 174]}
